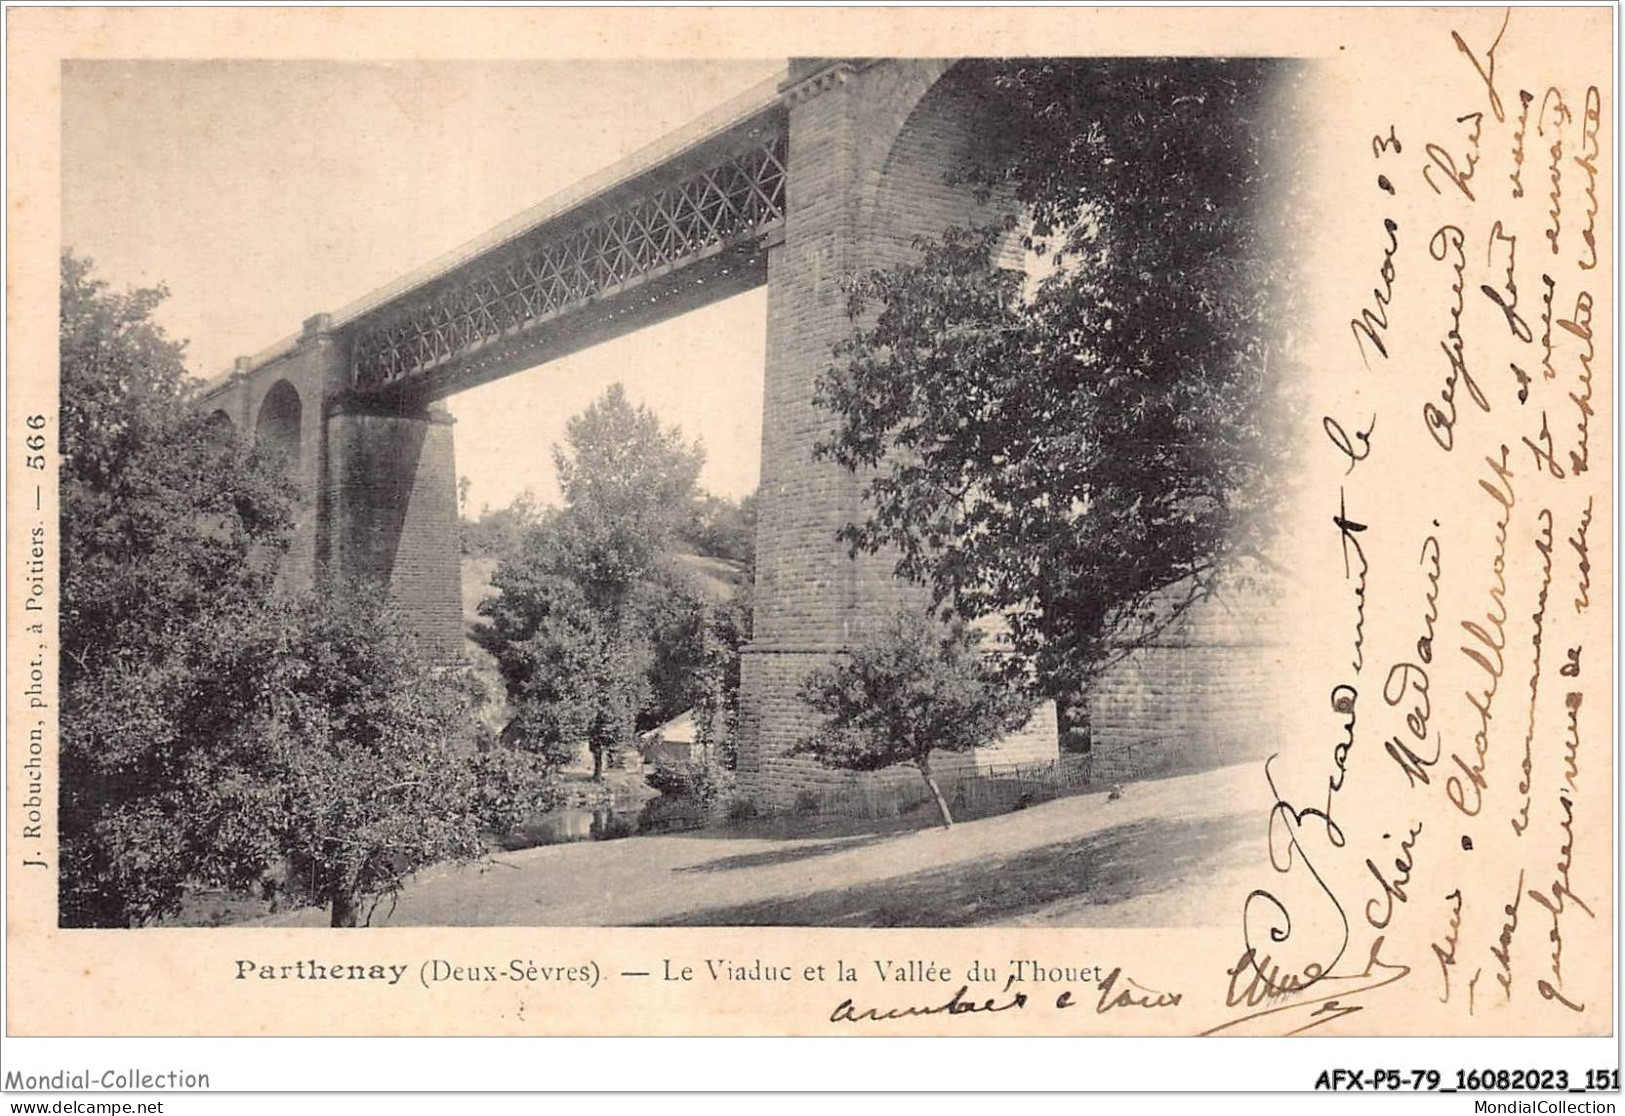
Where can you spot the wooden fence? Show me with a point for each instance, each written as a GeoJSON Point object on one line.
{"type": "Point", "coordinates": [973, 791]}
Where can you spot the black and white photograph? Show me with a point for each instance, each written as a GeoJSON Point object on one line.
{"type": "Point", "coordinates": [851, 507]}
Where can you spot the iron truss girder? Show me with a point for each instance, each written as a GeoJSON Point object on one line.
{"type": "Point", "coordinates": [555, 270]}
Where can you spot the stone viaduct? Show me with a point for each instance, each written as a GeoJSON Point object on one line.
{"type": "Point", "coordinates": [834, 167]}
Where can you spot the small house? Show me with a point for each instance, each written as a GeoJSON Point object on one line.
{"type": "Point", "coordinates": [673, 742]}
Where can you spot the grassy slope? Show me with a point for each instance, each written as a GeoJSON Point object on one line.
{"type": "Point", "coordinates": [1168, 853]}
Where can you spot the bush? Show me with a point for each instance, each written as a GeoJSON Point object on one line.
{"type": "Point", "coordinates": [666, 813]}
{"type": "Point", "coordinates": [740, 810]}
{"type": "Point", "coordinates": [916, 686]}
{"type": "Point", "coordinates": [806, 803]}
{"type": "Point", "coordinates": [701, 783]}
{"type": "Point", "coordinates": [612, 827]}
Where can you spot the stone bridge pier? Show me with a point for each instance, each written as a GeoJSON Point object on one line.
{"type": "Point", "coordinates": [378, 481]}
{"type": "Point", "coordinates": [871, 147]}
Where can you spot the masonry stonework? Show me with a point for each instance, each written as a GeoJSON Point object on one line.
{"type": "Point", "coordinates": [804, 599]}
{"type": "Point", "coordinates": [871, 147]}
{"type": "Point", "coordinates": [1198, 695]}
{"type": "Point", "coordinates": [392, 500]}
{"type": "Point", "coordinates": [377, 486]}
{"type": "Point", "coordinates": [313, 369]}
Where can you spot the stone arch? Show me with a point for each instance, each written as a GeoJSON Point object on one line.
{"type": "Point", "coordinates": [280, 425]}
{"type": "Point", "coordinates": [909, 195]}
{"type": "Point", "coordinates": [220, 419]}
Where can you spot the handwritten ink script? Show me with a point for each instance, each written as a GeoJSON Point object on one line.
{"type": "Point", "coordinates": [1444, 836]}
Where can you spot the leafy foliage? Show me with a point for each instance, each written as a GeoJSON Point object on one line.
{"type": "Point", "coordinates": [166, 516]}
{"type": "Point", "coordinates": [627, 484]}
{"type": "Point", "coordinates": [581, 676]}
{"type": "Point", "coordinates": [171, 531]}
{"type": "Point", "coordinates": [678, 618]}
{"type": "Point", "coordinates": [499, 533]}
{"type": "Point", "coordinates": [598, 634]}
{"type": "Point", "coordinates": [714, 679]}
{"type": "Point", "coordinates": [702, 783]}
{"type": "Point", "coordinates": [348, 758]}
{"type": "Point", "coordinates": [919, 685]}
{"type": "Point", "coordinates": [721, 528]}
{"type": "Point", "coordinates": [214, 730]}
{"type": "Point", "coordinates": [1082, 447]}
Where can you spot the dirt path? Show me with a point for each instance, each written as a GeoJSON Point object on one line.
{"type": "Point", "coordinates": [1167, 853]}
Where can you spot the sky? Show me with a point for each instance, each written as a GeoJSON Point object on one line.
{"type": "Point", "coordinates": [261, 193]}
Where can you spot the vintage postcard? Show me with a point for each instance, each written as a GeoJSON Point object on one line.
{"type": "Point", "coordinates": [974, 522]}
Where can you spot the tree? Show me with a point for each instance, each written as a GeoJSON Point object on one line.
{"type": "Point", "coordinates": [1084, 447]}
{"type": "Point", "coordinates": [679, 618]}
{"type": "Point", "coordinates": [723, 528]}
{"type": "Point", "coordinates": [582, 676]}
{"type": "Point", "coordinates": [918, 686]}
{"type": "Point", "coordinates": [590, 608]}
{"type": "Point", "coordinates": [716, 677]}
{"type": "Point", "coordinates": [627, 484]}
{"type": "Point", "coordinates": [212, 727]}
{"type": "Point", "coordinates": [171, 531]}
{"type": "Point", "coordinates": [500, 533]}
{"type": "Point", "coordinates": [698, 656]}
{"type": "Point", "coordinates": [329, 744]}
{"type": "Point", "coordinates": [165, 514]}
